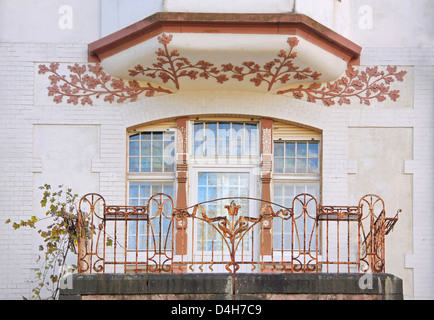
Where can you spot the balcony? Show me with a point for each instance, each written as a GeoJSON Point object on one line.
{"type": "Point", "coordinates": [210, 246]}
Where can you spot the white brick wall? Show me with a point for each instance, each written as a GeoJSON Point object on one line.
{"type": "Point", "coordinates": [422, 119]}
{"type": "Point", "coordinates": [18, 165]}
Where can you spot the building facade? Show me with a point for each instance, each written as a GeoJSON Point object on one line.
{"type": "Point", "coordinates": [203, 100]}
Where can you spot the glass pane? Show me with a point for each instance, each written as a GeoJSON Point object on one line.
{"type": "Point", "coordinates": [313, 150]}
{"type": "Point", "coordinates": [137, 231]}
{"type": "Point", "coordinates": [169, 165]}
{"type": "Point", "coordinates": [301, 149]}
{"type": "Point", "coordinates": [223, 147]}
{"type": "Point", "coordinates": [237, 131]}
{"type": "Point", "coordinates": [233, 179]}
{"type": "Point", "coordinates": [211, 131]}
{"type": "Point", "coordinates": [198, 147]}
{"type": "Point", "coordinates": [168, 148]}
{"type": "Point", "coordinates": [157, 136]}
{"type": "Point", "coordinates": [313, 166]}
{"type": "Point", "coordinates": [135, 137]}
{"type": "Point", "coordinates": [290, 149]}
{"type": "Point", "coordinates": [212, 178]}
{"type": "Point", "coordinates": [145, 189]}
{"type": "Point", "coordinates": [157, 148]}
{"type": "Point", "coordinates": [290, 165]}
{"type": "Point", "coordinates": [157, 164]}
{"type": "Point", "coordinates": [201, 194]}
{"type": "Point", "coordinates": [134, 148]}
{"type": "Point", "coordinates": [146, 148]}
{"type": "Point", "coordinates": [168, 189]}
{"type": "Point", "coordinates": [304, 224]}
{"type": "Point", "coordinates": [142, 242]}
{"type": "Point", "coordinates": [244, 180]}
{"type": "Point", "coordinates": [156, 188]}
{"type": "Point", "coordinates": [210, 147]}
{"type": "Point", "coordinates": [134, 164]}
{"type": "Point", "coordinates": [146, 164]}
{"type": "Point", "coordinates": [278, 190]}
{"type": "Point", "coordinates": [214, 185]}
{"type": "Point", "coordinates": [212, 193]}
{"type": "Point", "coordinates": [278, 165]}
{"type": "Point", "coordinates": [301, 165]}
{"type": "Point", "coordinates": [134, 190]}
{"type": "Point", "coordinates": [198, 131]}
{"type": "Point", "coordinates": [146, 135]}
{"type": "Point", "coordinates": [289, 191]}
{"type": "Point", "coordinates": [239, 148]}
{"type": "Point", "coordinates": [134, 202]}
{"type": "Point", "coordinates": [299, 189]}
{"type": "Point", "coordinates": [131, 239]}
{"type": "Point", "coordinates": [251, 147]}
{"type": "Point", "coordinates": [169, 136]}
{"type": "Point", "coordinates": [202, 178]}
{"type": "Point", "coordinates": [278, 149]}
{"type": "Point", "coordinates": [251, 132]}
{"type": "Point", "coordinates": [132, 226]}
{"type": "Point", "coordinates": [232, 148]}
{"type": "Point", "coordinates": [224, 130]}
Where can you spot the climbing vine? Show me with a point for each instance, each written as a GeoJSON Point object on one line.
{"type": "Point", "coordinates": [59, 232]}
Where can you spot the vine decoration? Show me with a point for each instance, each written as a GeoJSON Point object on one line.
{"type": "Point", "coordinates": [279, 69]}
{"type": "Point", "coordinates": [170, 66]}
{"type": "Point", "coordinates": [86, 82]}
{"type": "Point", "coordinates": [90, 81]}
{"type": "Point", "coordinates": [364, 85]}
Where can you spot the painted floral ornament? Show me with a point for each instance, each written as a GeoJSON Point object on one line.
{"type": "Point", "coordinates": [88, 82]}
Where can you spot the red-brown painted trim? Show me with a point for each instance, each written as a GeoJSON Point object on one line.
{"type": "Point", "coordinates": [181, 177]}
{"type": "Point", "coordinates": [239, 23]}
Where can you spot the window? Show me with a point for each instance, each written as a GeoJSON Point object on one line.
{"type": "Point", "coordinates": [139, 194]}
{"type": "Point", "coordinates": [216, 185]}
{"type": "Point", "coordinates": [296, 157]}
{"type": "Point", "coordinates": [225, 139]}
{"type": "Point", "coordinates": [152, 152]}
{"type": "Point", "coordinates": [151, 170]}
{"type": "Point", "coordinates": [284, 194]}
{"type": "Point", "coordinates": [296, 171]}
{"type": "Point", "coordinates": [224, 163]}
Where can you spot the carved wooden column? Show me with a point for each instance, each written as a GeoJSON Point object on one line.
{"type": "Point", "coordinates": [181, 177]}
{"type": "Point", "coordinates": [266, 170]}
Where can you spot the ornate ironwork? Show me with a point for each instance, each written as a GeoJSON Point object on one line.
{"type": "Point", "coordinates": [277, 239]}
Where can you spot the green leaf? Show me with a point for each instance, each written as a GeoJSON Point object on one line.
{"type": "Point", "coordinates": [109, 242]}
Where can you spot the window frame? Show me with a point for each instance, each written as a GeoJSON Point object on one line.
{"type": "Point", "coordinates": [149, 176]}
{"type": "Point", "coordinates": [297, 175]}
{"type": "Point", "coordinates": [159, 181]}
{"type": "Point", "coordinates": [298, 178]}
{"type": "Point", "coordinates": [197, 157]}
{"type": "Point", "coordinates": [143, 174]}
{"type": "Point", "coordinates": [194, 196]}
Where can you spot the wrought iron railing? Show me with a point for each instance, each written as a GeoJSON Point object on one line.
{"type": "Point", "coordinates": [306, 237]}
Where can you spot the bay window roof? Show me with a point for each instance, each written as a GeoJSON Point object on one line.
{"type": "Point", "coordinates": [193, 51]}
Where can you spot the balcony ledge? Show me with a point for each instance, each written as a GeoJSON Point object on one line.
{"type": "Point", "coordinates": [219, 286]}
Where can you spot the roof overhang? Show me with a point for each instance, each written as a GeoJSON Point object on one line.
{"type": "Point", "coordinates": [225, 39]}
